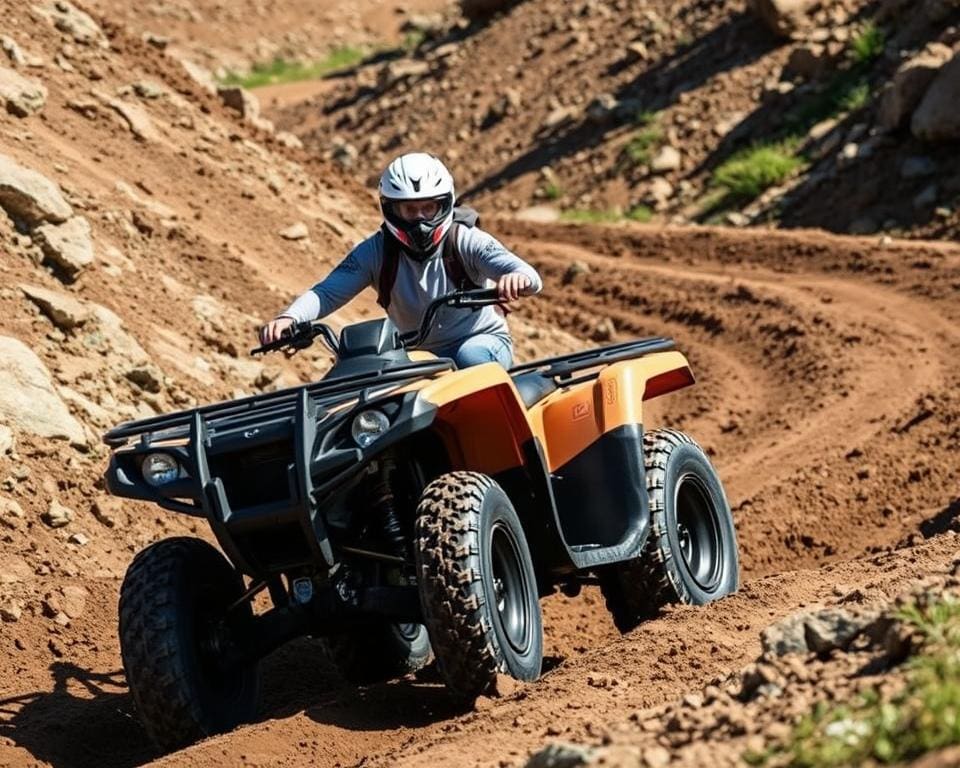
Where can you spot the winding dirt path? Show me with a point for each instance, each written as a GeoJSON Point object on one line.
{"type": "Point", "coordinates": [805, 373]}
{"type": "Point", "coordinates": [829, 398]}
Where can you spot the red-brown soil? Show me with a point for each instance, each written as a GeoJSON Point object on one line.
{"type": "Point", "coordinates": [828, 396]}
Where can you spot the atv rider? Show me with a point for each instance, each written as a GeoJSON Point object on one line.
{"type": "Point", "coordinates": [419, 254]}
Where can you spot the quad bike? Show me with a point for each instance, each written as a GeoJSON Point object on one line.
{"type": "Point", "coordinates": [400, 508]}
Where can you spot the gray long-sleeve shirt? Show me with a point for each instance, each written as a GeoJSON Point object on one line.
{"type": "Point", "coordinates": [418, 283]}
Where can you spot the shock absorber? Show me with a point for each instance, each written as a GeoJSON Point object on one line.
{"type": "Point", "coordinates": [383, 503]}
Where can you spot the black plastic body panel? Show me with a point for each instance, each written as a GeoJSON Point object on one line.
{"type": "Point", "coordinates": [601, 495]}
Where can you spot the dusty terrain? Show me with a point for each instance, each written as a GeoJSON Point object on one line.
{"type": "Point", "coordinates": [828, 396]}
{"type": "Point", "coordinates": [604, 108]}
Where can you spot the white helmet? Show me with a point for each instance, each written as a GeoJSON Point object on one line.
{"type": "Point", "coordinates": [417, 176]}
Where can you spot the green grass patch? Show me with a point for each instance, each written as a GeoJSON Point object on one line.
{"type": "Point", "coordinates": [922, 717]}
{"type": "Point", "coordinates": [413, 40]}
{"type": "Point", "coordinates": [867, 45]}
{"type": "Point", "coordinates": [593, 216]}
{"type": "Point", "coordinates": [748, 173]}
{"type": "Point", "coordinates": [641, 147]}
{"type": "Point", "coordinates": [282, 71]}
{"type": "Point", "coordinates": [552, 191]}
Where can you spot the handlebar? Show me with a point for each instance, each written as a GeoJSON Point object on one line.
{"type": "Point", "coordinates": [475, 299]}
{"type": "Point", "coordinates": [301, 335]}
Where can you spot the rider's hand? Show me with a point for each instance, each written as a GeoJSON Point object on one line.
{"type": "Point", "coordinates": [273, 330]}
{"type": "Point", "coordinates": [513, 286]}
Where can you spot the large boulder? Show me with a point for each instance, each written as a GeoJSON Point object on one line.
{"type": "Point", "coordinates": [68, 245]}
{"type": "Point", "coordinates": [909, 84]}
{"type": "Point", "coordinates": [22, 95]}
{"type": "Point", "coordinates": [783, 17]}
{"type": "Point", "coordinates": [938, 116]}
{"type": "Point", "coordinates": [28, 400]}
{"type": "Point", "coordinates": [29, 197]}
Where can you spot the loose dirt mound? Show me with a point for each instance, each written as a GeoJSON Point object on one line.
{"type": "Point", "coordinates": [828, 398]}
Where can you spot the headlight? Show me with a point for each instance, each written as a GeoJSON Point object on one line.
{"type": "Point", "coordinates": [368, 426]}
{"type": "Point", "coordinates": [159, 469]}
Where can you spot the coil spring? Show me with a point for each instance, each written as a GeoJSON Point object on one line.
{"type": "Point", "coordinates": [383, 502]}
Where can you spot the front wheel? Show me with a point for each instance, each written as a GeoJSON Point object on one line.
{"type": "Point", "coordinates": [691, 555]}
{"type": "Point", "coordinates": [477, 584]}
{"type": "Point", "coordinates": [175, 634]}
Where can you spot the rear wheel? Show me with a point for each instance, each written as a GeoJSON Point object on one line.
{"type": "Point", "coordinates": [379, 652]}
{"type": "Point", "coordinates": [691, 555]}
{"type": "Point", "coordinates": [477, 585]}
{"type": "Point", "coordinates": [175, 637]}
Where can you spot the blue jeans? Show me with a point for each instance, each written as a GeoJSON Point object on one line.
{"type": "Point", "coordinates": [479, 349]}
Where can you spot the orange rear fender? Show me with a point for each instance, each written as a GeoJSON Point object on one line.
{"type": "Point", "coordinates": [570, 420]}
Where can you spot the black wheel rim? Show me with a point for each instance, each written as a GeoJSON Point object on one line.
{"type": "Point", "coordinates": [408, 632]}
{"type": "Point", "coordinates": [510, 589]}
{"type": "Point", "coordinates": [698, 532]}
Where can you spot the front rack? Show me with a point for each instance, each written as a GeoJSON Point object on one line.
{"type": "Point", "coordinates": [323, 393]}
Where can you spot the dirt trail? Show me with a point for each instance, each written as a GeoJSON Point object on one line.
{"type": "Point", "coordinates": [797, 444]}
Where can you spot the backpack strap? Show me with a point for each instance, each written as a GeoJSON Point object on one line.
{"type": "Point", "coordinates": [388, 270]}
{"type": "Point", "coordinates": [452, 262]}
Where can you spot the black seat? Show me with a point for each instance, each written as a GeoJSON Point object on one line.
{"type": "Point", "coordinates": [533, 387]}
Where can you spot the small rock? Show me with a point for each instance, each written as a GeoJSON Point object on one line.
{"type": "Point", "coordinates": [240, 100]}
{"type": "Point", "coordinates": [160, 42]}
{"type": "Point", "coordinates": [11, 513]}
{"type": "Point", "coordinates": [74, 600]}
{"type": "Point", "coordinates": [808, 61]}
{"type": "Point", "coordinates": [637, 51]}
{"type": "Point", "coordinates": [69, 245]}
{"type": "Point", "coordinates": [604, 330]}
{"type": "Point", "coordinates": [29, 196]}
{"type": "Point", "coordinates": [57, 515]}
{"type": "Point", "coordinates": [146, 376]}
{"type": "Point", "coordinates": [783, 17]}
{"type": "Point", "coordinates": [10, 47]}
{"type": "Point", "coordinates": [666, 160]}
{"type": "Point", "coordinates": [73, 22]}
{"type": "Point", "coordinates": [147, 89]}
{"type": "Point", "coordinates": [107, 510]}
{"type": "Point", "coordinates": [287, 139]}
{"type": "Point", "coordinates": [575, 269]}
{"type": "Point", "coordinates": [561, 756]}
{"type": "Point", "coordinates": [661, 191]}
{"type": "Point", "coordinates": [200, 75]}
{"type": "Point", "coordinates": [345, 154]}
{"type": "Point", "coordinates": [602, 108]}
{"type": "Point", "coordinates": [655, 757]}
{"type": "Point", "coordinates": [11, 611]}
{"type": "Point", "coordinates": [80, 539]}
{"type": "Point", "coordinates": [136, 118]}
{"type": "Point", "coordinates": [64, 311]}
{"type": "Point", "coordinates": [23, 96]}
{"type": "Point", "coordinates": [296, 231]}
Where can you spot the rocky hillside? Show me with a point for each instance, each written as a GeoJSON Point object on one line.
{"type": "Point", "coordinates": [834, 114]}
{"type": "Point", "coordinates": [146, 229]}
